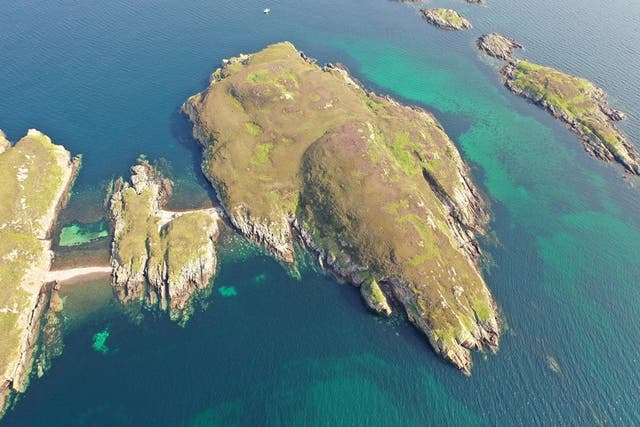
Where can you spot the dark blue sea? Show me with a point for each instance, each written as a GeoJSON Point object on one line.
{"type": "Point", "coordinates": [107, 78]}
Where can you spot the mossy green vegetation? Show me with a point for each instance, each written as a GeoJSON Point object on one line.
{"type": "Point", "coordinates": [580, 104]}
{"type": "Point", "coordinates": [377, 189]}
{"type": "Point", "coordinates": [35, 175]}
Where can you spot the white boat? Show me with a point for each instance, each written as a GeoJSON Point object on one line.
{"type": "Point", "coordinates": [266, 11]}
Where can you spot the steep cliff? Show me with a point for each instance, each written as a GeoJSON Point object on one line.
{"type": "Point", "coordinates": [375, 189]}
{"type": "Point", "coordinates": [159, 258]}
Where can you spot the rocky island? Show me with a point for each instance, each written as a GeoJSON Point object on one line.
{"type": "Point", "coordinates": [447, 19]}
{"type": "Point", "coordinates": [36, 177]}
{"type": "Point", "coordinates": [376, 190]}
{"type": "Point", "coordinates": [159, 258]}
{"type": "Point", "coordinates": [498, 46]}
{"type": "Point", "coordinates": [577, 102]}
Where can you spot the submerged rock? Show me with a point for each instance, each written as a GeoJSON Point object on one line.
{"type": "Point", "coordinates": [159, 257]}
{"type": "Point", "coordinates": [376, 190]}
{"type": "Point", "coordinates": [36, 177]}
{"type": "Point", "coordinates": [447, 19]}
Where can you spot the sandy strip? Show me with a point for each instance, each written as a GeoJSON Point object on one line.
{"type": "Point", "coordinates": [72, 273]}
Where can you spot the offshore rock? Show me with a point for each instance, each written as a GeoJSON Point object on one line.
{"type": "Point", "coordinates": [160, 258]}
{"type": "Point", "coordinates": [498, 46]}
{"type": "Point", "coordinates": [447, 19]}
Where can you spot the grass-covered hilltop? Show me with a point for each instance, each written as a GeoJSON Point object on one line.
{"type": "Point", "coordinates": [160, 258]}
{"type": "Point", "coordinates": [375, 189]}
{"type": "Point", "coordinates": [577, 102]}
{"type": "Point", "coordinates": [36, 176]}
{"type": "Point", "coordinates": [447, 19]}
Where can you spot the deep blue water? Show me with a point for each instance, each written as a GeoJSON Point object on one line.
{"type": "Point", "coordinates": [106, 79]}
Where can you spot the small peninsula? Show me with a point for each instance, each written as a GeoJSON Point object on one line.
{"type": "Point", "coordinates": [159, 258]}
{"type": "Point", "coordinates": [447, 19]}
{"type": "Point", "coordinates": [376, 190]}
{"type": "Point", "coordinates": [575, 101]}
{"type": "Point", "coordinates": [36, 177]}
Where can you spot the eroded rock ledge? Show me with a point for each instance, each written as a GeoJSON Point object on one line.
{"type": "Point", "coordinates": [575, 101]}
{"type": "Point", "coordinates": [375, 189]}
{"type": "Point", "coordinates": [159, 258]}
{"type": "Point", "coordinates": [36, 177]}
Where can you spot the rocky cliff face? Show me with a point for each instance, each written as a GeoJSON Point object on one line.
{"type": "Point", "coordinates": [374, 189]}
{"type": "Point", "coordinates": [159, 258]}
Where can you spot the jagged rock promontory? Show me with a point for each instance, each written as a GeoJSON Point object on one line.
{"type": "Point", "coordinates": [575, 101]}
{"type": "Point", "coordinates": [447, 19]}
{"type": "Point", "coordinates": [376, 190]}
{"type": "Point", "coordinates": [498, 46]}
{"type": "Point", "coordinates": [160, 258]}
{"type": "Point", "coordinates": [36, 177]}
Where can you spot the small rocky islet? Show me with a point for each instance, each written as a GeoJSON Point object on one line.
{"type": "Point", "coordinates": [447, 19]}
{"type": "Point", "coordinates": [159, 258]}
{"type": "Point", "coordinates": [575, 101]}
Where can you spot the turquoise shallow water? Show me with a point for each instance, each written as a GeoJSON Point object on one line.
{"type": "Point", "coordinates": [107, 81]}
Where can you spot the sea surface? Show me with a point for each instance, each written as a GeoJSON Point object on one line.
{"type": "Point", "coordinates": [107, 78]}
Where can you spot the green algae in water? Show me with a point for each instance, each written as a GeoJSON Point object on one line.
{"type": "Point", "coordinates": [227, 291]}
{"type": "Point", "coordinates": [76, 233]}
{"type": "Point", "coordinates": [100, 341]}
{"type": "Point", "coordinates": [260, 278]}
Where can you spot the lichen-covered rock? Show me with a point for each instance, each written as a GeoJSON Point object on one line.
{"type": "Point", "coordinates": [376, 190]}
{"type": "Point", "coordinates": [447, 19]}
{"type": "Point", "coordinates": [159, 257]}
